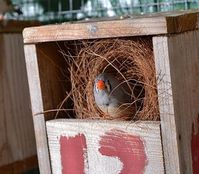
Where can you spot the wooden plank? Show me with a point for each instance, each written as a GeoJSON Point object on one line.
{"type": "Point", "coordinates": [19, 167]}
{"type": "Point", "coordinates": [37, 107]}
{"type": "Point", "coordinates": [117, 28]}
{"type": "Point", "coordinates": [181, 23]}
{"type": "Point", "coordinates": [165, 97]}
{"type": "Point", "coordinates": [184, 63]}
{"type": "Point", "coordinates": [17, 141]}
{"type": "Point", "coordinates": [90, 146]}
{"type": "Point", "coordinates": [177, 63]}
{"type": "Point", "coordinates": [151, 25]}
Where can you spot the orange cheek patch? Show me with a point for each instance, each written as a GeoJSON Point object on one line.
{"type": "Point", "coordinates": [101, 85]}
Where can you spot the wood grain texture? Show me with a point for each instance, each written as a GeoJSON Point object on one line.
{"type": "Point", "coordinates": [177, 65]}
{"type": "Point", "coordinates": [94, 131]}
{"type": "Point", "coordinates": [47, 85]}
{"type": "Point", "coordinates": [165, 97]}
{"type": "Point", "coordinates": [17, 141]}
{"type": "Point", "coordinates": [37, 107]}
{"type": "Point", "coordinates": [53, 77]}
{"type": "Point", "coordinates": [147, 25]}
{"type": "Point", "coordinates": [182, 21]}
{"type": "Point", "coordinates": [184, 64]}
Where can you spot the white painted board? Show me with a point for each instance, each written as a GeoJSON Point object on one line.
{"type": "Point", "coordinates": [104, 147]}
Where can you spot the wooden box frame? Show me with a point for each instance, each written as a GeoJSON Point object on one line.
{"type": "Point", "coordinates": [175, 39]}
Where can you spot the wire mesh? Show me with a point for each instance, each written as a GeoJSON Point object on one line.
{"type": "Point", "coordinates": [52, 11]}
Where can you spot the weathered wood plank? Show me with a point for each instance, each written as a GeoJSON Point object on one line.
{"type": "Point", "coordinates": [91, 146]}
{"type": "Point", "coordinates": [17, 141]}
{"type": "Point", "coordinates": [37, 107]}
{"type": "Point", "coordinates": [184, 64]}
{"type": "Point", "coordinates": [182, 21]}
{"type": "Point", "coordinates": [165, 97]}
{"type": "Point", "coordinates": [151, 25]}
{"type": "Point", "coordinates": [177, 65]}
{"type": "Point", "coordinates": [117, 28]}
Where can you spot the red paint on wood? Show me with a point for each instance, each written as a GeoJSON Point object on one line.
{"type": "Point", "coordinates": [128, 148]}
{"type": "Point", "coordinates": [195, 149]}
{"type": "Point", "coordinates": [73, 154]}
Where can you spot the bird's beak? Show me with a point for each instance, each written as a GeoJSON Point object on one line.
{"type": "Point", "coordinates": [100, 85]}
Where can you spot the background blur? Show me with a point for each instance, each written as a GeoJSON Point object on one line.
{"type": "Point", "coordinates": [53, 11]}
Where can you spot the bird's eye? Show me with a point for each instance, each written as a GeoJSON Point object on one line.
{"type": "Point", "coordinates": [108, 85]}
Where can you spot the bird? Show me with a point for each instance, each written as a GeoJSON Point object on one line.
{"type": "Point", "coordinates": [112, 97]}
{"type": "Point", "coordinates": [6, 6]}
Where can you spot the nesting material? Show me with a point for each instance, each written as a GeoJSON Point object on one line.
{"type": "Point", "coordinates": [130, 61]}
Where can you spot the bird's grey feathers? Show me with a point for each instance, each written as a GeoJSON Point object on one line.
{"type": "Point", "coordinates": [115, 97]}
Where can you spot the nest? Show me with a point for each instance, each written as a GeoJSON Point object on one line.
{"type": "Point", "coordinates": [129, 60]}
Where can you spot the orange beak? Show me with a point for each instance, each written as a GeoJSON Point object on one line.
{"type": "Point", "coordinates": [100, 85]}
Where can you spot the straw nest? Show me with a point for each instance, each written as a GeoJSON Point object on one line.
{"type": "Point", "coordinates": [129, 60]}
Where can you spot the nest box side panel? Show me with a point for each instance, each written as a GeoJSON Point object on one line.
{"type": "Point", "coordinates": [53, 77]}
{"type": "Point", "coordinates": [177, 67]}
{"type": "Point", "coordinates": [37, 107]}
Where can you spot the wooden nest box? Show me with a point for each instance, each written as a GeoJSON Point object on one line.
{"type": "Point", "coordinates": [170, 145]}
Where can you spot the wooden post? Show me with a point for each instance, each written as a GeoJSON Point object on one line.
{"type": "Point", "coordinates": [177, 66]}
{"type": "Point", "coordinates": [37, 107]}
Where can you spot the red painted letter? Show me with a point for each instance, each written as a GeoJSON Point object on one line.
{"type": "Point", "coordinates": [128, 148]}
{"type": "Point", "coordinates": [73, 154]}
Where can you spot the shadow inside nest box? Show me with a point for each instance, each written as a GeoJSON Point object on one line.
{"type": "Point", "coordinates": [55, 60]}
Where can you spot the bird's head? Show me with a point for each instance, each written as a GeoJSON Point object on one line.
{"type": "Point", "coordinates": [100, 85]}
